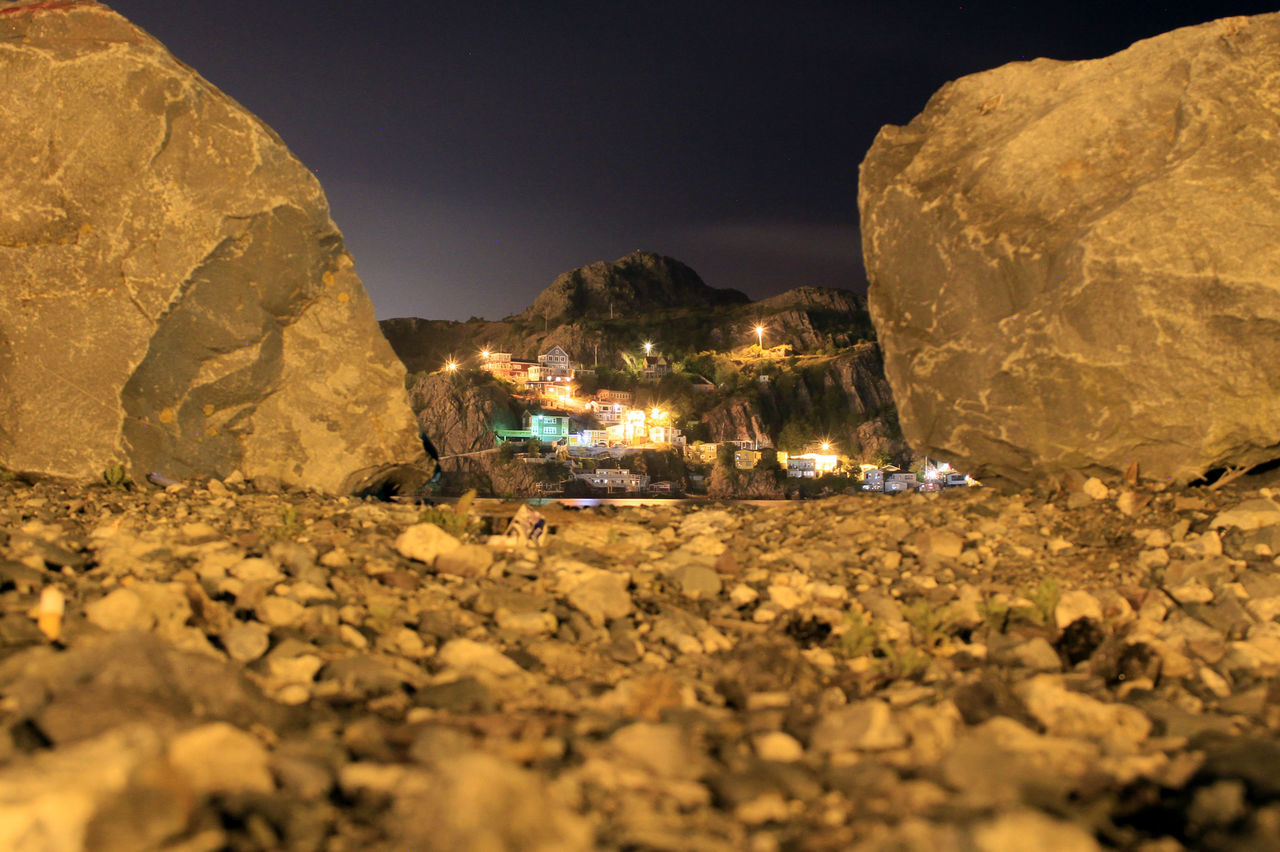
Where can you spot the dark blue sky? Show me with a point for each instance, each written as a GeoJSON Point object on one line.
{"type": "Point", "coordinates": [472, 151]}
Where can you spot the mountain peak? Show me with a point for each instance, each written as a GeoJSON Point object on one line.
{"type": "Point", "coordinates": [639, 282]}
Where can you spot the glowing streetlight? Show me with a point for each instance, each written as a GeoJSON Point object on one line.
{"type": "Point", "coordinates": [760, 336]}
{"type": "Point", "coordinates": [451, 365]}
{"type": "Point", "coordinates": [484, 353]}
{"type": "Point", "coordinates": [648, 347]}
{"type": "Point", "coordinates": [825, 446]}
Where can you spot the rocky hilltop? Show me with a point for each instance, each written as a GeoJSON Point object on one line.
{"type": "Point", "coordinates": [640, 282]}
{"type": "Point", "coordinates": [665, 301]}
{"type": "Point", "coordinates": [174, 296]}
{"type": "Point", "coordinates": [816, 380]}
{"type": "Point", "coordinates": [1073, 264]}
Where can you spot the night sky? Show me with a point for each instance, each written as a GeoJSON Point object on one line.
{"type": "Point", "coordinates": [472, 151]}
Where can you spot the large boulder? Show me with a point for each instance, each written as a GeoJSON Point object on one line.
{"type": "Point", "coordinates": [173, 294]}
{"type": "Point", "coordinates": [1074, 265]}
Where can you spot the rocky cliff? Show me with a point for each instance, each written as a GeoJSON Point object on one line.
{"type": "Point", "coordinates": [844, 399]}
{"type": "Point", "coordinates": [640, 282]}
{"type": "Point", "coordinates": [459, 411]}
{"type": "Point", "coordinates": [664, 302]}
{"type": "Point", "coordinates": [174, 296]}
{"type": "Point", "coordinates": [1073, 265]}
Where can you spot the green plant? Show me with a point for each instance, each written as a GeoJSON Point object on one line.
{"type": "Point", "coordinates": [290, 524]}
{"type": "Point", "coordinates": [860, 636]}
{"type": "Point", "coordinates": [903, 661]}
{"type": "Point", "coordinates": [995, 612]}
{"type": "Point", "coordinates": [116, 476]}
{"type": "Point", "coordinates": [929, 621]}
{"type": "Point", "coordinates": [1045, 598]}
{"type": "Point", "coordinates": [456, 520]}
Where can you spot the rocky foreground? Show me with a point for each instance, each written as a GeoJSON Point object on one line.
{"type": "Point", "coordinates": [966, 671]}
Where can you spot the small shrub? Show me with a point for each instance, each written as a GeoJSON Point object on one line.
{"type": "Point", "coordinates": [860, 636]}
{"type": "Point", "coordinates": [456, 520]}
{"type": "Point", "coordinates": [929, 622]}
{"type": "Point", "coordinates": [116, 476]}
{"type": "Point", "coordinates": [1045, 598]}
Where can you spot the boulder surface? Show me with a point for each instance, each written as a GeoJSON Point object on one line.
{"type": "Point", "coordinates": [173, 294]}
{"type": "Point", "coordinates": [1073, 265]}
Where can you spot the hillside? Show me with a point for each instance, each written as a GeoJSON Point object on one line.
{"type": "Point", "coordinates": [818, 377]}
{"type": "Point", "coordinates": [653, 298]}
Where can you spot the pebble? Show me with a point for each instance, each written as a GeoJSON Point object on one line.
{"type": "Point", "coordinates": [840, 674]}
{"type": "Point", "coordinates": [220, 758]}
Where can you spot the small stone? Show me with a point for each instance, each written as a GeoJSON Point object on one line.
{"type": "Point", "coordinates": [742, 594]}
{"type": "Point", "coordinates": [777, 746]}
{"type": "Point", "coordinates": [467, 560]}
{"type": "Point", "coordinates": [1130, 503]}
{"type": "Point", "coordinates": [246, 641]}
{"type": "Point", "coordinates": [467, 656]}
{"type": "Point", "coordinates": [697, 581]}
{"type": "Point", "coordinates": [1031, 831]}
{"type": "Point", "coordinates": [1219, 804]}
{"type": "Point", "coordinates": [602, 599]}
{"type": "Point", "coordinates": [785, 597]}
{"type": "Point", "coordinates": [1073, 714]}
{"type": "Point", "coordinates": [1249, 515]}
{"type": "Point", "coordinates": [276, 611]}
{"type": "Point", "coordinates": [767, 807]}
{"type": "Point", "coordinates": [1037, 654]}
{"type": "Point", "coordinates": [526, 623]}
{"type": "Point", "coordinates": [425, 542]}
{"type": "Point", "coordinates": [938, 544]}
{"type": "Point", "coordinates": [662, 749]}
{"type": "Point", "coordinates": [352, 636]}
{"type": "Point", "coordinates": [220, 758]}
{"type": "Point", "coordinates": [864, 725]}
{"type": "Point", "coordinates": [256, 570]}
{"type": "Point", "coordinates": [1095, 489]}
{"type": "Point", "coordinates": [122, 609]}
{"type": "Point", "coordinates": [1075, 604]}
{"type": "Point", "coordinates": [1194, 592]}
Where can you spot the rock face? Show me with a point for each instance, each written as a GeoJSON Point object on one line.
{"type": "Point", "coordinates": [1073, 264]}
{"type": "Point", "coordinates": [639, 282]}
{"type": "Point", "coordinates": [173, 294]}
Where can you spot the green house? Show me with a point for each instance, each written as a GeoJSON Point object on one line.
{"type": "Point", "coordinates": [547, 428]}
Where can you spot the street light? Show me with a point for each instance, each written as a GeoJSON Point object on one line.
{"type": "Point", "coordinates": [648, 347]}
{"type": "Point", "coordinates": [451, 365]}
{"type": "Point", "coordinates": [760, 336]}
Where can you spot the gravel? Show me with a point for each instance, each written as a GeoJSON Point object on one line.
{"type": "Point", "coordinates": [213, 667]}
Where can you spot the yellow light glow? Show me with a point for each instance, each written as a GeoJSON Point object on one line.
{"type": "Point", "coordinates": [648, 347]}
{"type": "Point", "coordinates": [451, 366]}
{"type": "Point", "coordinates": [825, 446]}
{"type": "Point", "coordinates": [484, 353]}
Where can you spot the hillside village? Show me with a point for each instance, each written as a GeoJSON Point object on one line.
{"type": "Point", "coordinates": [592, 433]}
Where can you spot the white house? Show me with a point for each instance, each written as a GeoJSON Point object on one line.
{"type": "Point", "coordinates": [612, 479]}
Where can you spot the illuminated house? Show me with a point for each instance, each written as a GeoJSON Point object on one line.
{"type": "Point", "coordinates": [625, 398]}
{"type": "Point", "coordinates": [607, 412]}
{"type": "Point", "coordinates": [501, 365]}
{"type": "Point", "coordinates": [655, 367]}
{"type": "Point", "coordinates": [633, 427]}
{"type": "Point", "coordinates": [612, 479]}
{"type": "Point", "coordinates": [746, 459]}
{"type": "Point", "coordinates": [666, 435]}
{"type": "Point", "coordinates": [554, 365]}
{"type": "Point", "coordinates": [811, 464]}
{"type": "Point", "coordinates": [547, 428]}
